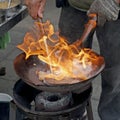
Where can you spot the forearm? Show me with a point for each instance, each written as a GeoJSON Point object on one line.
{"type": "Point", "coordinates": [35, 7]}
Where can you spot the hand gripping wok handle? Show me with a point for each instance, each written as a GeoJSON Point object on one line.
{"type": "Point", "coordinates": [91, 24]}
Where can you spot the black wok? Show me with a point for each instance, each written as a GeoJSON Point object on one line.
{"type": "Point", "coordinates": [26, 70]}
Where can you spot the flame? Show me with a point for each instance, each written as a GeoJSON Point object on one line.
{"type": "Point", "coordinates": [64, 60]}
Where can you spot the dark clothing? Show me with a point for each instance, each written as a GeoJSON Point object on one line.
{"type": "Point", "coordinates": [109, 42]}
{"type": "Point", "coordinates": [72, 23]}
{"type": "Point", "coordinates": [71, 26]}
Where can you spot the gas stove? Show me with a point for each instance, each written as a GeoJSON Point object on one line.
{"type": "Point", "coordinates": [34, 104]}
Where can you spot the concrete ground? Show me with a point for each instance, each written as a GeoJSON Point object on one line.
{"type": "Point", "coordinates": [8, 55]}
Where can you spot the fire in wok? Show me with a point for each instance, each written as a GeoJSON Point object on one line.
{"type": "Point", "coordinates": [59, 62]}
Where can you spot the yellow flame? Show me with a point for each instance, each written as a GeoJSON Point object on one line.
{"type": "Point", "coordinates": [64, 60]}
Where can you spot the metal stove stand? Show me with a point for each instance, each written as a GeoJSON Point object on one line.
{"type": "Point", "coordinates": [24, 94]}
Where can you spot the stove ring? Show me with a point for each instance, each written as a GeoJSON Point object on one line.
{"type": "Point", "coordinates": [52, 101]}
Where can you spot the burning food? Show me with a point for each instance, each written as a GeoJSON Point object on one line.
{"type": "Point", "coordinates": [63, 61]}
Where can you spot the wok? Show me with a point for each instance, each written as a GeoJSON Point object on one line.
{"type": "Point", "coordinates": [26, 69]}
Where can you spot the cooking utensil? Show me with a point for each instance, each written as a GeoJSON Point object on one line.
{"type": "Point", "coordinates": [27, 70]}
{"type": "Point", "coordinates": [89, 27]}
{"type": "Point", "coordinates": [41, 21]}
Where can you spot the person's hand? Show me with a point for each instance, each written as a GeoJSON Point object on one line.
{"type": "Point", "coordinates": [106, 10]}
{"type": "Point", "coordinates": [35, 8]}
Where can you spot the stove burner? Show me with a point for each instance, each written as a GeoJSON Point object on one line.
{"type": "Point", "coordinates": [24, 95]}
{"type": "Point", "coordinates": [52, 101]}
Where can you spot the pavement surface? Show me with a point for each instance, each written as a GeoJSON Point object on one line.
{"type": "Point", "coordinates": [8, 55]}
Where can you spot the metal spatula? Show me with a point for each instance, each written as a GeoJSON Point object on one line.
{"type": "Point", "coordinates": [91, 24]}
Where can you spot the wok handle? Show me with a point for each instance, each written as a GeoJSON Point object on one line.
{"type": "Point", "coordinates": [91, 24]}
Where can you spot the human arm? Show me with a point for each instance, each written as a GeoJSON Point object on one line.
{"type": "Point", "coordinates": [35, 8]}
{"type": "Point", "coordinates": [106, 10]}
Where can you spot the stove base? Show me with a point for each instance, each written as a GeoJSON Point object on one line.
{"type": "Point", "coordinates": [24, 94]}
